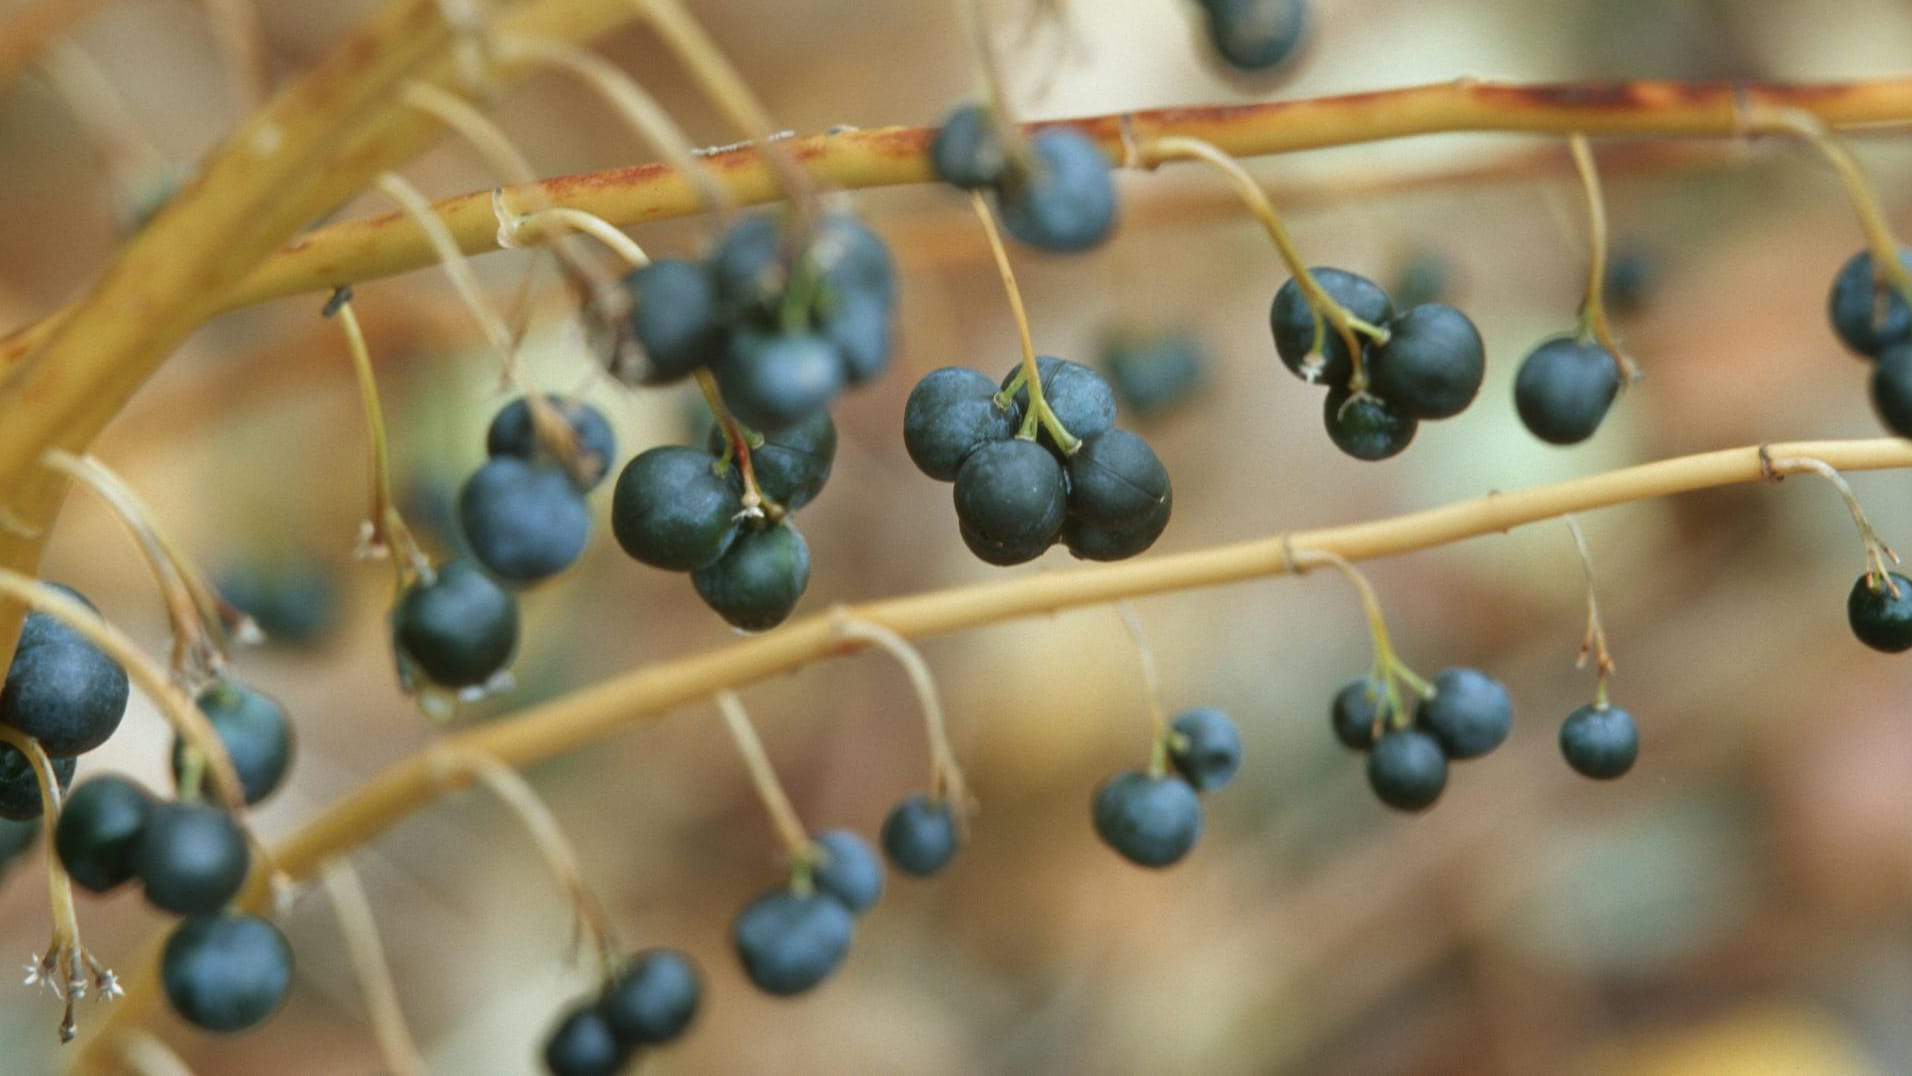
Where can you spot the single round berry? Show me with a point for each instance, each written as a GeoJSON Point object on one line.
{"type": "Point", "coordinates": [460, 628]}
{"type": "Point", "coordinates": [192, 859]}
{"type": "Point", "coordinates": [671, 509]}
{"type": "Point", "coordinates": [1632, 270]}
{"type": "Point", "coordinates": [791, 464]}
{"type": "Point", "coordinates": [1152, 372]}
{"type": "Point", "coordinates": [950, 413]}
{"type": "Point", "coordinates": [20, 789]}
{"type": "Point", "coordinates": [293, 600]}
{"type": "Point", "coordinates": [61, 689]}
{"type": "Point", "coordinates": [920, 836]}
{"type": "Point", "coordinates": [1065, 201]}
{"type": "Point", "coordinates": [1207, 748]}
{"type": "Point", "coordinates": [770, 380]}
{"type": "Point", "coordinates": [1867, 312]}
{"type": "Point", "coordinates": [582, 1045]}
{"type": "Point", "coordinates": [1407, 769]}
{"type": "Point", "coordinates": [1564, 388]}
{"type": "Point", "coordinates": [849, 870]}
{"type": "Point", "coordinates": [1881, 618]}
{"type": "Point", "coordinates": [967, 151]}
{"type": "Point", "coordinates": [1425, 276]}
{"type": "Point", "coordinates": [653, 999]}
{"type": "Point", "coordinates": [851, 260]}
{"type": "Point", "coordinates": [758, 582]}
{"type": "Point", "coordinates": [525, 522]}
{"type": "Point", "coordinates": [1117, 481]}
{"type": "Point", "coordinates": [1356, 712]}
{"type": "Point", "coordinates": [790, 943]}
{"type": "Point", "coordinates": [1087, 541]}
{"type": "Point", "coordinates": [676, 316]}
{"type": "Point", "coordinates": [1366, 427]}
{"type": "Point", "coordinates": [1600, 741]}
{"type": "Point", "coordinates": [1469, 713]}
{"type": "Point", "coordinates": [1011, 501]}
{"type": "Point", "coordinates": [1432, 365]}
{"type": "Point", "coordinates": [226, 972]}
{"type": "Point", "coordinates": [1256, 36]}
{"type": "Point", "coordinates": [748, 266]}
{"type": "Point", "coordinates": [512, 433]}
{"type": "Point", "coordinates": [1293, 323]}
{"type": "Point", "coordinates": [1151, 821]}
{"type": "Point", "coordinates": [100, 828]}
{"type": "Point", "coordinates": [859, 326]}
{"type": "Point", "coordinates": [1081, 398]}
{"type": "Point", "coordinates": [255, 731]}
{"type": "Point", "coordinates": [16, 838]}
{"type": "Point", "coordinates": [1892, 388]}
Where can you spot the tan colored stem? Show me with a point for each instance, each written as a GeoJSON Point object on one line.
{"type": "Point", "coordinates": [763, 776]}
{"type": "Point", "coordinates": [357, 924]}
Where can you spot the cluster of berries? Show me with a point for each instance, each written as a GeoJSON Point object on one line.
{"type": "Point", "coordinates": [523, 513]}
{"type": "Point", "coordinates": [646, 1004]}
{"type": "Point", "coordinates": [1465, 716]}
{"type": "Point", "coordinates": [1052, 191]}
{"type": "Point", "coordinates": [1153, 819]}
{"type": "Point", "coordinates": [1431, 366]}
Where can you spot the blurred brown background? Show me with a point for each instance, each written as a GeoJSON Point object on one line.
{"type": "Point", "coordinates": [1741, 903]}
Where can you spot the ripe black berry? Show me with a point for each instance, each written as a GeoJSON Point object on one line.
{"type": "Point", "coordinates": [1256, 35]}
{"type": "Point", "coordinates": [790, 943]}
{"type": "Point", "coordinates": [1469, 713]}
{"type": "Point", "coordinates": [582, 1045]}
{"type": "Point", "coordinates": [294, 600]}
{"type": "Point", "coordinates": [1082, 400]}
{"type": "Point", "coordinates": [1892, 388]}
{"type": "Point", "coordinates": [1293, 323]}
{"type": "Point", "coordinates": [851, 259]}
{"type": "Point", "coordinates": [919, 836]}
{"type": "Point", "coordinates": [858, 324]}
{"type": "Point", "coordinates": [653, 999]}
{"type": "Point", "coordinates": [1631, 273]}
{"type": "Point", "coordinates": [1868, 313]}
{"type": "Point", "coordinates": [1407, 769]}
{"type": "Point", "coordinates": [676, 316]}
{"type": "Point", "coordinates": [15, 838]}
{"type": "Point", "coordinates": [1151, 821]}
{"type": "Point", "coordinates": [460, 628]}
{"type": "Point", "coordinates": [20, 789]}
{"type": "Point", "coordinates": [257, 735]}
{"type": "Point", "coordinates": [61, 689]}
{"type": "Point", "coordinates": [524, 522]}
{"type": "Point", "coordinates": [100, 827]}
{"type": "Point", "coordinates": [770, 380]}
{"type": "Point", "coordinates": [226, 972]}
{"type": "Point", "coordinates": [951, 413]}
{"type": "Point", "coordinates": [1010, 501]}
{"type": "Point", "coordinates": [967, 151]}
{"type": "Point", "coordinates": [1600, 741]}
{"type": "Point", "coordinates": [792, 464]}
{"type": "Point", "coordinates": [1432, 365]}
{"type": "Point", "coordinates": [1564, 388]}
{"type": "Point", "coordinates": [1086, 541]}
{"type": "Point", "coordinates": [849, 870]}
{"type": "Point", "coordinates": [1065, 202]}
{"type": "Point", "coordinates": [1117, 481]}
{"type": "Point", "coordinates": [511, 433]}
{"type": "Point", "coordinates": [1366, 426]}
{"type": "Point", "coordinates": [1881, 619]}
{"type": "Point", "coordinates": [1356, 711]}
{"type": "Point", "coordinates": [758, 582]}
{"type": "Point", "coordinates": [192, 859]}
{"type": "Point", "coordinates": [1151, 372]}
{"type": "Point", "coordinates": [1208, 749]}
{"type": "Point", "coordinates": [671, 509]}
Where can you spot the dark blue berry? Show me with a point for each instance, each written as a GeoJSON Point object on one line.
{"type": "Point", "coordinates": [1867, 312]}
{"type": "Point", "coordinates": [920, 836]}
{"type": "Point", "coordinates": [967, 151]}
{"type": "Point", "coordinates": [653, 999]}
{"type": "Point", "coordinates": [1064, 202]}
{"type": "Point", "coordinates": [511, 433]}
{"type": "Point", "coordinates": [1892, 388]}
{"type": "Point", "coordinates": [676, 316]}
{"type": "Point", "coordinates": [101, 825]}
{"type": "Point", "coordinates": [849, 870]}
{"type": "Point", "coordinates": [192, 858]}
{"type": "Point", "coordinates": [1011, 501]}
{"type": "Point", "coordinates": [1880, 618]}
{"type": "Point", "coordinates": [951, 413]}
{"type": "Point", "coordinates": [294, 600]}
{"type": "Point", "coordinates": [672, 510]}
{"type": "Point", "coordinates": [226, 972]}
{"type": "Point", "coordinates": [1152, 372]}
{"type": "Point", "coordinates": [1356, 713]}
{"type": "Point", "coordinates": [1088, 541]}
{"type": "Point", "coordinates": [1117, 481]}
{"type": "Point", "coordinates": [1366, 427]}
{"type": "Point", "coordinates": [20, 789]}
{"type": "Point", "coordinates": [1629, 280]}
{"type": "Point", "coordinates": [1151, 821]}
{"type": "Point", "coordinates": [582, 1045]}
{"type": "Point", "coordinates": [758, 582]}
{"type": "Point", "coordinates": [61, 689]}
{"type": "Point", "coordinates": [1432, 365]}
{"type": "Point", "coordinates": [859, 325]}
{"type": "Point", "coordinates": [15, 838]}
{"type": "Point", "coordinates": [525, 522]}
{"type": "Point", "coordinates": [1081, 398]}
{"type": "Point", "coordinates": [1256, 35]}
{"type": "Point", "coordinates": [460, 629]}
{"type": "Point", "coordinates": [1407, 769]}
{"type": "Point", "coordinates": [790, 943]}
{"type": "Point", "coordinates": [1426, 276]}
{"type": "Point", "coordinates": [1292, 321]}
{"type": "Point", "coordinates": [255, 731]}
{"type": "Point", "coordinates": [771, 380]}
{"type": "Point", "coordinates": [748, 266]}
{"type": "Point", "coordinates": [851, 260]}
{"type": "Point", "coordinates": [1600, 741]}
{"type": "Point", "coordinates": [1207, 748]}
{"type": "Point", "coordinates": [1469, 713]}
{"type": "Point", "coordinates": [1564, 388]}
{"type": "Point", "coordinates": [791, 464]}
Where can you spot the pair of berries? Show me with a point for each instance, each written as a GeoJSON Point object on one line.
{"type": "Point", "coordinates": [1872, 320]}
{"type": "Point", "coordinates": [793, 937]}
{"type": "Point", "coordinates": [1467, 715]}
{"type": "Point", "coordinates": [649, 1002]}
{"type": "Point", "coordinates": [523, 513]}
{"type": "Point", "coordinates": [682, 509]}
{"type": "Point", "coordinates": [1052, 190]}
{"type": "Point", "coordinates": [1153, 820]}
{"type": "Point", "coordinates": [1430, 368]}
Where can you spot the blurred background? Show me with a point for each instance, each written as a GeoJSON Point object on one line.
{"type": "Point", "coordinates": [1740, 903]}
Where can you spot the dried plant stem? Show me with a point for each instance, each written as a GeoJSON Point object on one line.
{"type": "Point", "coordinates": [360, 929]}
{"type": "Point", "coordinates": [946, 776]}
{"type": "Point", "coordinates": [763, 776]}
{"type": "Point", "coordinates": [1151, 688]}
{"type": "Point", "coordinates": [1593, 307]}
